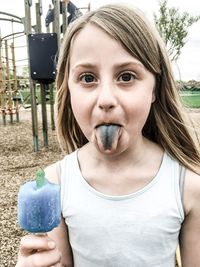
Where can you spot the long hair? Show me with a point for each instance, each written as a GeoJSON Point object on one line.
{"type": "Point", "coordinates": [166, 123]}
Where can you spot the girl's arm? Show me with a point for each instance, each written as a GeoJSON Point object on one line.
{"type": "Point", "coordinates": [190, 231]}
{"type": "Point", "coordinates": [60, 236]}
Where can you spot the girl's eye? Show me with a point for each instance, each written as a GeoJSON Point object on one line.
{"type": "Point", "coordinates": [126, 77]}
{"type": "Point", "coordinates": [87, 78]}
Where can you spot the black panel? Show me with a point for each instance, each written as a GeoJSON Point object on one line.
{"type": "Point", "coordinates": [43, 49]}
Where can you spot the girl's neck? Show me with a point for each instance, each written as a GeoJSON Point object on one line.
{"type": "Point", "coordinates": [137, 153]}
{"type": "Point", "coordinates": [120, 174]}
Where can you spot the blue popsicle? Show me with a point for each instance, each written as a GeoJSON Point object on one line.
{"type": "Point", "coordinates": [39, 209]}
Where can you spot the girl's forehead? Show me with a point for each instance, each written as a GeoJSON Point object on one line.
{"type": "Point", "coordinates": [90, 31]}
{"type": "Point", "coordinates": [92, 42]}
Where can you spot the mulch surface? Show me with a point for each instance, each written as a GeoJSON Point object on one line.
{"type": "Point", "coordinates": [18, 164]}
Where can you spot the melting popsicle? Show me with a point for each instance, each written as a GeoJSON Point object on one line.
{"type": "Point", "coordinates": [39, 209]}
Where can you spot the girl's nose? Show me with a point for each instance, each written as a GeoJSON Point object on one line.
{"type": "Point", "coordinates": [107, 98]}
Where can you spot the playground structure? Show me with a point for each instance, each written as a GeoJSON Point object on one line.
{"type": "Point", "coordinates": [11, 98]}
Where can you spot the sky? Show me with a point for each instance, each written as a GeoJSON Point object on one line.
{"type": "Point", "coordinates": [188, 65]}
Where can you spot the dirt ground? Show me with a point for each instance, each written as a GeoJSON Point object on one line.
{"type": "Point", "coordinates": [18, 163]}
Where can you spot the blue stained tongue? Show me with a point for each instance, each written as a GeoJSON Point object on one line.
{"type": "Point", "coordinates": [107, 136]}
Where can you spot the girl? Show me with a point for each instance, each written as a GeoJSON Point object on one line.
{"type": "Point", "coordinates": [130, 187]}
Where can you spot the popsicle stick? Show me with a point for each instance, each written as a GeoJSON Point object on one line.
{"type": "Point", "coordinates": [41, 234]}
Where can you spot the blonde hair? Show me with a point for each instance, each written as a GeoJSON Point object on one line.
{"type": "Point", "coordinates": [166, 124]}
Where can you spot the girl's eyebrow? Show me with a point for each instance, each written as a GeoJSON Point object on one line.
{"type": "Point", "coordinates": [115, 66]}
{"type": "Point", "coordinates": [84, 65]}
{"type": "Point", "coordinates": [129, 64]}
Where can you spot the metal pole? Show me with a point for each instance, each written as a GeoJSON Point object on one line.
{"type": "Point", "coordinates": [9, 89]}
{"type": "Point", "coordinates": [15, 82]}
{"type": "Point", "coordinates": [42, 85]}
{"type": "Point", "coordinates": [10, 15]}
{"type": "Point", "coordinates": [89, 7]}
{"type": "Point", "coordinates": [2, 87]}
{"type": "Point", "coordinates": [64, 16]}
{"type": "Point", "coordinates": [56, 23]}
{"type": "Point", "coordinates": [38, 18]}
{"type": "Point", "coordinates": [57, 30]}
{"type": "Point", "coordinates": [51, 86]}
{"type": "Point", "coordinates": [51, 96]}
{"type": "Point", "coordinates": [32, 87]}
{"type": "Point", "coordinates": [16, 103]}
{"type": "Point", "coordinates": [44, 114]}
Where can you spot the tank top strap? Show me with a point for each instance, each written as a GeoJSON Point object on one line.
{"type": "Point", "coordinates": [182, 181]}
{"type": "Point", "coordinates": [58, 171]}
{"type": "Point", "coordinates": [64, 169]}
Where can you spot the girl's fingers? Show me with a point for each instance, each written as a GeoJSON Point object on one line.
{"type": "Point", "coordinates": [38, 251]}
{"type": "Point", "coordinates": [45, 259]}
{"type": "Point", "coordinates": [57, 265]}
{"type": "Point", "coordinates": [30, 243]}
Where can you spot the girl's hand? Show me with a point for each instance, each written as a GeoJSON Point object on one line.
{"type": "Point", "coordinates": [38, 251]}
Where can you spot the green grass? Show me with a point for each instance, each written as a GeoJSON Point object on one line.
{"type": "Point", "coordinates": [27, 99]}
{"type": "Point", "coordinates": [26, 94]}
{"type": "Point", "coordinates": [191, 99]}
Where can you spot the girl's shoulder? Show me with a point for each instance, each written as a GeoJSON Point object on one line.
{"type": "Point", "coordinates": [191, 191]}
{"type": "Point", "coordinates": [52, 172]}
{"type": "Point", "coordinates": [190, 231]}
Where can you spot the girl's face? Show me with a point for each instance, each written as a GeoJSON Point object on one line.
{"type": "Point", "coordinates": [108, 86]}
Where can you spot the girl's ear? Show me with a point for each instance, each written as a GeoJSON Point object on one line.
{"type": "Point", "coordinates": [153, 99]}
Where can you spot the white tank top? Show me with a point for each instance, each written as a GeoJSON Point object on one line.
{"type": "Point", "coordinates": [136, 230]}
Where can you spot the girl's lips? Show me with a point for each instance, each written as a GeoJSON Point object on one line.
{"type": "Point", "coordinates": [108, 124]}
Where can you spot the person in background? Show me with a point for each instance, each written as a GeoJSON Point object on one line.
{"type": "Point", "coordinates": [73, 11]}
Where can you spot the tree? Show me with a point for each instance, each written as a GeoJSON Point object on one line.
{"type": "Point", "coordinates": [25, 72]}
{"type": "Point", "coordinates": [173, 27]}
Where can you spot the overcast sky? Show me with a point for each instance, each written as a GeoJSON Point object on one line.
{"type": "Point", "coordinates": [189, 62]}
